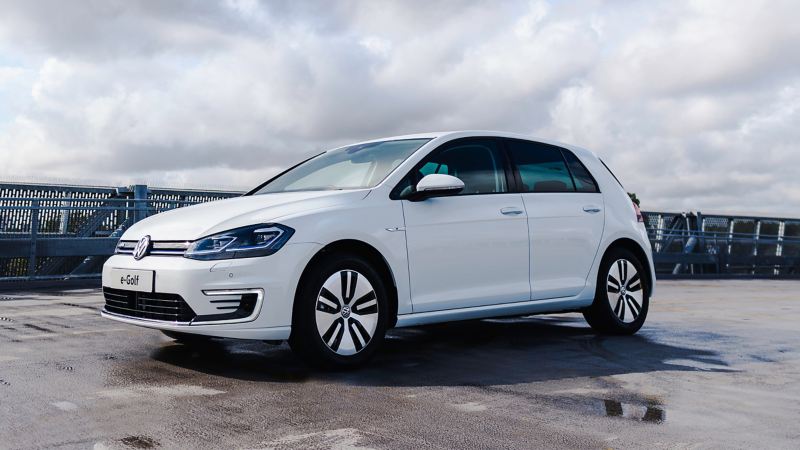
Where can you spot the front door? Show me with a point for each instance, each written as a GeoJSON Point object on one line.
{"type": "Point", "coordinates": [469, 249]}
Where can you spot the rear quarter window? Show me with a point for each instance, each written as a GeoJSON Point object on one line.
{"type": "Point", "coordinates": [584, 182]}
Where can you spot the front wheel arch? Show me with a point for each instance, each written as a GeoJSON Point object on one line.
{"type": "Point", "coordinates": [365, 250]}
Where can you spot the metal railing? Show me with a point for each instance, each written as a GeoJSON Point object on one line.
{"type": "Point", "coordinates": [52, 232]}
{"type": "Point", "coordinates": [56, 232]}
{"type": "Point", "coordinates": [697, 245]}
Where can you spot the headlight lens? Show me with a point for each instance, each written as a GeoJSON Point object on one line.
{"type": "Point", "coordinates": [245, 242]}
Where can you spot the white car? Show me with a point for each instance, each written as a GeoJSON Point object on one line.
{"type": "Point", "coordinates": [394, 232]}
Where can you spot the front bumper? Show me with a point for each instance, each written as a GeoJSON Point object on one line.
{"type": "Point", "coordinates": [197, 282]}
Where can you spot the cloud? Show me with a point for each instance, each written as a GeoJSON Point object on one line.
{"type": "Point", "coordinates": [693, 104]}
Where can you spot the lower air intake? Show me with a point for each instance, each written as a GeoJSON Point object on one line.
{"type": "Point", "coordinates": [148, 305]}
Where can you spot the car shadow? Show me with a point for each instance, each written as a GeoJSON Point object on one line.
{"type": "Point", "coordinates": [484, 352]}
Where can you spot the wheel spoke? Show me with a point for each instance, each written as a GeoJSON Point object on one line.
{"type": "Point", "coordinates": [366, 304]}
{"type": "Point", "coordinates": [634, 284]}
{"type": "Point", "coordinates": [623, 271]}
{"type": "Point", "coordinates": [327, 302]}
{"type": "Point", "coordinates": [358, 333]}
{"type": "Point", "coordinates": [611, 287]}
{"type": "Point", "coordinates": [349, 282]}
{"type": "Point", "coordinates": [333, 337]}
{"type": "Point", "coordinates": [634, 306]}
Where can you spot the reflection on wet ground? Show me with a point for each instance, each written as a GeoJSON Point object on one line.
{"type": "Point", "coordinates": [522, 351]}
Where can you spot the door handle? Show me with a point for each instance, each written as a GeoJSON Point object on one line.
{"type": "Point", "coordinates": [591, 209]}
{"type": "Point", "coordinates": [511, 211]}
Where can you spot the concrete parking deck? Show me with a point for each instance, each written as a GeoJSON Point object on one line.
{"type": "Point", "coordinates": [717, 365]}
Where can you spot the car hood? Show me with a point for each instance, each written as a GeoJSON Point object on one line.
{"type": "Point", "coordinates": [193, 222]}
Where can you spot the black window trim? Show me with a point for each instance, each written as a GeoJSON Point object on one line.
{"type": "Point", "coordinates": [612, 173]}
{"type": "Point", "coordinates": [518, 178]}
{"type": "Point", "coordinates": [511, 185]}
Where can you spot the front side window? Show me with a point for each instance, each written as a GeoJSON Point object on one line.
{"type": "Point", "coordinates": [541, 167]}
{"type": "Point", "coordinates": [476, 162]}
{"type": "Point", "coordinates": [354, 167]}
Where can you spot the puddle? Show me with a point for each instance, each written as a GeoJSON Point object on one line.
{"type": "Point", "coordinates": [651, 412]}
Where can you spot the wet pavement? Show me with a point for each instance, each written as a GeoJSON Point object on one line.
{"type": "Point", "coordinates": [717, 365]}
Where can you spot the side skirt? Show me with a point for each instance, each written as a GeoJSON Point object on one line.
{"type": "Point", "coordinates": [503, 310]}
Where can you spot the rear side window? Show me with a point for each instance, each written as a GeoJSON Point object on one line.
{"type": "Point", "coordinates": [541, 167]}
{"type": "Point", "coordinates": [583, 179]}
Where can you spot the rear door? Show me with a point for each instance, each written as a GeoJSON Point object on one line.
{"type": "Point", "coordinates": [469, 249]}
{"type": "Point", "coordinates": [565, 216]}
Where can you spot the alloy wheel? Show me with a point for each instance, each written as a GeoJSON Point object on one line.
{"type": "Point", "coordinates": [346, 312]}
{"type": "Point", "coordinates": [624, 290]}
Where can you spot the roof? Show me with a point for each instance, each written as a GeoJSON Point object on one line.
{"type": "Point", "coordinates": [449, 135]}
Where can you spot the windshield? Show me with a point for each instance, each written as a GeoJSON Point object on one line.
{"type": "Point", "coordinates": [353, 167]}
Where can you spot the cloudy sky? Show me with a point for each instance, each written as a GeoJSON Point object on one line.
{"type": "Point", "coordinates": [694, 104]}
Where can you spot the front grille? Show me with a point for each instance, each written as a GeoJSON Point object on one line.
{"type": "Point", "coordinates": [148, 305]}
{"type": "Point", "coordinates": [165, 248]}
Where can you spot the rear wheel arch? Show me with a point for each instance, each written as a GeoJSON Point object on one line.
{"type": "Point", "coordinates": [638, 251]}
{"type": "Point", "coordinates": [367, 251]}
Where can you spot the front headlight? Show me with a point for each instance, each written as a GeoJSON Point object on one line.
{"type": "Point", "coordinates": [245, 242]}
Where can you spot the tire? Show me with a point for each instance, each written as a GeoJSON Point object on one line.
{"type": "Point", "coordinates": [621, 299]}
{"type": "Point", "coordinates": [340, 313]}
{"type": "Point", "coordinates": [186, 338]}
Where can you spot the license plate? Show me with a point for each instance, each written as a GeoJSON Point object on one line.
{"type": "Point", "coordinates": [132, 279]}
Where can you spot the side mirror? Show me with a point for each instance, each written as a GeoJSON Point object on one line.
{"type": "Point", "coordinates": [436, 185]}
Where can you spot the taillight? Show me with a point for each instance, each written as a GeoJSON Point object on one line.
{"type": "Point", "coordinates": [639, 216]}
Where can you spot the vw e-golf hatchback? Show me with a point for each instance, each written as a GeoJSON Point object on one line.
{"type": "Point", "coordinates": [389, 233]}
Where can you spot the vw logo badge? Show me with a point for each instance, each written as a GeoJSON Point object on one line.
{"type": "Point", "coordinates": [141, 248]}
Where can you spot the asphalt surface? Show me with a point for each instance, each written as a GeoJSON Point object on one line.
{"type": "Point", "coordinates": [717, 365]}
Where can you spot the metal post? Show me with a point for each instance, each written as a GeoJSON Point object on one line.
{"type": "Point", "coordinates": [779, 245]}
{"type": "Point", "coordinates": [65, 213]}
{"type": "Point", "coordinates": [34, 235]}
{"type": "Point", "coordinates": [139, 202]}
{"type": "Point", "coordinates": [756, 236]}
{"type": "Point", "coordinates": [660, 233]}
{"type": "Point", "coordinates": [731, 226]}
